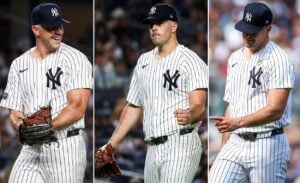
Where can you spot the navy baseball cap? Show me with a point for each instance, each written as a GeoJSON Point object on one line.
{"type": "Point", "coordinates": [47, 15]}
{"type": "Point", "coordinates": [256, 16]}
{"type": "Point", "coordinates": [161, 12]}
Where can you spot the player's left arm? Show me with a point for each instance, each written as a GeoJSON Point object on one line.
{"type": "Point", "coordinates": [77, 104]}
{"type": "Point", "coordinates": [197, 103]}
{"type": "Point", "coordinates": [277, 100]}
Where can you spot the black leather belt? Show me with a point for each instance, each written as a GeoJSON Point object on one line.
{"type": "Point", "coordinates": [163, 139]}
{"type": "Point", "coordinates": [252, 136]}
{"type": "Point", "coordinates": [72, 133]}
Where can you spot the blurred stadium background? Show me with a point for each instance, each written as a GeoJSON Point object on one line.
{"type": "Point", "coordinates": [16, 38]}
{"type": "Point", "coordinates": [224, 39]}
{"type": "Point", "coordinates": [120, 39]}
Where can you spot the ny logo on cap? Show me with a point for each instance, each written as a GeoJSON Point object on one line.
{"type": "Point", "coordinates": [248, 17]}
{"type": "Point", "coordinates": [54, 12]}
{"type": "Point", "coordinates": [152, 11]}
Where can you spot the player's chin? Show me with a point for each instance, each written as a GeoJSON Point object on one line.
{"type": "Point", "coordinates": [156, 42]}
{"type": "Point", "coordinates": [55, 45]}
{"type": "Point", "coordinates": [249, 44]}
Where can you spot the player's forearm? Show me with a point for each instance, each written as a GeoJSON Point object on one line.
{"type": "Point", "coordinates": [197, 103]}
{"type": "Point", "coordinates": [15, 119]}
{"type": "Point", "coordinates": [129, 117]}
{"type": "Point", "coordinates": [69, 115]}
{"type": "Point", "coordinates": [197, 113]}
{"type": "Point", "coordinates": [261, 117]}
{"type": "Point", "coordinates": [277, 100]}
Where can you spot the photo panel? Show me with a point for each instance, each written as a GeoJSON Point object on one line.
{"type": "Point", "coordinates": [121, 41]}
{"type": "Point", "coordinates": [245, 89]}
{"type": "Point", "coordinates": [46, 60]}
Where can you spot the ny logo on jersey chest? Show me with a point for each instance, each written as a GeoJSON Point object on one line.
{"type": "Point", "coordinates": [171, 80]}
{"type": "Point", "coordinates": [54, 79]}
{"type": "Point", "coordinates": [255, 77]}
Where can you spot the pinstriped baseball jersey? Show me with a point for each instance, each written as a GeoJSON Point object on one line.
{"type": "Point", "coordinates": [249, 80]}
{"type": "Point", "coordinates": [33, 84]}
{"type": "Point", "coordinates": [162, 86]}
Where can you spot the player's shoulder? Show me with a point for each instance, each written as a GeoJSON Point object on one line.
{"type": "Point", "coordinates": [145, 58]}
{"type": "Point", "coordinates": [71, 54]}
{"type": "Point", "coordinates": [236, 53]}
{"type": "Point", "coordinates": [236, 56]}
{"type": "Point", "coordinates": [69, 50]}
{"type": "Point", "coordinates": [274, 54]}
{"type": "Point", "coordinates": [189, 56]}
{"type": "Point", "coordinates": [21, 59]}
{"type": "Point", "coordinates": [275, 49]}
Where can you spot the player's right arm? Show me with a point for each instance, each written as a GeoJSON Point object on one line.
{"type": "Point", "coordinates": [130, 116]}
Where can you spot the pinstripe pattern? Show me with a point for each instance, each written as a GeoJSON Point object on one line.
{"type": "Point", "coordinates": [146, 88]}
{"type": "Point", "coordinates": [56, 163]}
{"type": "Point", "coordinates": [263, 160]}
{"type": "Point", "coordinates": [177, 159]}
{"type": "Point", "coordinates": [28, 89]}
{"type": "Point", "coordinates": [277, 73]}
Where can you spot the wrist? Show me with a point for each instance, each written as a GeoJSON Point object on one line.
{"type": "Point", "coordinates": [113, 144]}
{"type": "Point", "coordinates": [17, 125]}
{"type": "Point", "coordinates": [240, 122]}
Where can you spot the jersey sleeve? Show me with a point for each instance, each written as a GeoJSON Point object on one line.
{"type": "Point", "coordinates": [228, 93]}
{"type": "Point", "coordinates": [134, 94]}
{"type": "Point", "coordinates": [11, 97]}
{"type": "Point", "coordinates": [197, 73]}
{"type": "Point", "coordinates": [282, 73]}
{"type": "Point", "coordinates": [81, 74]}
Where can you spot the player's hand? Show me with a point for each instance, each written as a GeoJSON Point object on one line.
{"type": "Point", "coordinates": [183, 116]}
{"type": "Point", "coordinates": [225, 124]}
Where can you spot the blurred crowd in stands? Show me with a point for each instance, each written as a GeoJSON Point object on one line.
{"type": "Point", "coordinates": [120, 39]}
{"type": "Point", "coordinates": [224, 39]}
{"type": "Point", "coordinates": [9, 143]}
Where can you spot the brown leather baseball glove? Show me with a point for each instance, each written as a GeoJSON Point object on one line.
{"type": "Point", "coordinates": [37, 128]}
{"type": "Point", "coordinates": [105, 163]}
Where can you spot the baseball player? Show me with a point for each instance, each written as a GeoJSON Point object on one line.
{"type": "Point", "coordinates": [50, 73]}
{"type": "Point", "coordinates": [258, 92]}
{"type": "Point", "coordinates": [169, 88]}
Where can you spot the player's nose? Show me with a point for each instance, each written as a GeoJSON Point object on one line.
{"type": "Point", "coordinates": [60, 29]}
{"type": "Point", "coordinates": [248, 35]}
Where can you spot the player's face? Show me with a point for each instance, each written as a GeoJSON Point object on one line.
{"type": "Point", "coordinates": [51, 37]}
{"type": "Point", "coordinates": [160, 32]}
{"type": "Point", "coordinates": [257, 41]}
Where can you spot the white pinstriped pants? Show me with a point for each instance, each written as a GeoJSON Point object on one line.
{"type": "Point", "coordinates": [264, 160]}
{"type": "Point", "coordinates": [63, 163]}
{"type": "Point", "coordinates": [176, 160]}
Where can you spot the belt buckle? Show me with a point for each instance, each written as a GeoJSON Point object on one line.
{"type": "Point", "coordinates": [248, 136]}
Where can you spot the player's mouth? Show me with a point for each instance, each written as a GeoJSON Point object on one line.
{"type": "Point", "coordinates": [154, 35]}
{"type": "Point", "coordinates": [56, 38]}
{"type": "Point", "coordinates": [249, 40]}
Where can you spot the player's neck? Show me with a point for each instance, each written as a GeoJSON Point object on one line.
{"type": "Point", "coordinates": [40, 52]}
{"type": "Point", "coordinates": [166, 49]}
{"type": "Point", "coordinates": [251, 51]}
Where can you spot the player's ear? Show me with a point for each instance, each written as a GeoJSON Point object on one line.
{"type": "Point", "coordinates": [35, 30]}
{"type": "Point", "coordinates": [269, 28]}
{"type": "Point", "coordinates": [174, 26]}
